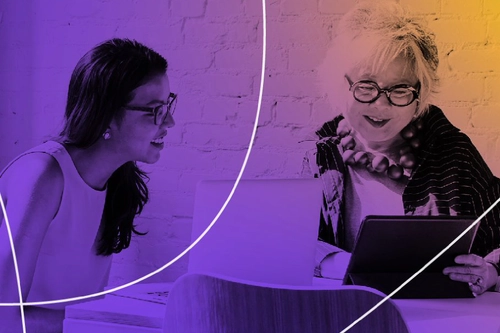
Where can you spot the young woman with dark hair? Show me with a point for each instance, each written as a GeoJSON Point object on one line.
{"type": "Point", "coordinates": [71, 201]}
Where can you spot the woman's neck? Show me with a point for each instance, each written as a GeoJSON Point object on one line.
{"type": "Point", "coordinates": [94, 164]}
{"type": "Point", "coordinates": [391, 148]}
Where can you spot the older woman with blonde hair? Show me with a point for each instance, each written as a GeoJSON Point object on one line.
{"type": "Point", "coordinates": [390, 151]}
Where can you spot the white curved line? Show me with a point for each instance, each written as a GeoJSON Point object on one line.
{"type": "Point", "coordinates": [16, 268]}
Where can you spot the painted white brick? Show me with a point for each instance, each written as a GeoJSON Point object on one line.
{"type": "Point", "coordinates": [175, 229]}
{"type": "Point", "coordinates": [306, 58]}
{"type": "Point", "coordinates": [476, 61]}
{"type": "Point", "coordinates": [334, 7]}
{"type": "Point", "coordinates": [193, 84]}
{"type": "Point", "coordinates": [221, 136]}
{"type": "Point", "coordinates": [220, 110]}
{"type": "Point", "coordinates": [460, 116]}
{"type": "Point", "coordinates": [311, 32]}
{"type": "Point", "coordinates": [109, 11]}
{"type": "Point", "coordinates": [247, 111]}
{"type": "Point", "coordinates": [494, 164]}
{"type": "Point", "coordinates": [229, 85]}
{"type": "Point", "coordinates": [199, 31]}
{"type": "Point", "coordinates": [491, 7]}
{"type": "Point", "coordinates": [155, 34]}
{"type": "Point", "coordinates": [181, 158]}
{"type": "Point", "coordinates": [494, 32]}
{"type": "Point", "coordinates": [459, 31]}
{"type": "Point", "coordinates": [462, 8]}
{"type": "Point", "coordinates": [229, 162]}
{"type": "Point", "coordinates": [484, 142]}
{"type": "Point", "coordinates": [493, 92]}
{"type": "Point", "coordinates": [322, 112]}
{"type": "Point", "coordinates": [152, 11]}
{"type": "Point", "coordinates": [422, 6]}
{"type": "Point", "coordinates": [265, 163]}
{"type": "Point", "coordinates": [294, 162]}
{"type": "Point", "coordinates": [462, 89]}
{"type": "Point", "coordinates": [485, 117]}
{"type": "Point", "coordinates": [298, 7]}
{"type": "Point", "coordinates": [189, 107]}
{"type": "Point", "coordinates": [283, 137]}
{"type": "Point", "coordinates": [242, 111]}
{"type": "Point", "coordinates": [169, 35]}
{"type": "Point", "coordinates": [248, 60]}
{"type": "Point", "coordinates": [295, 112]}
{"type": "Point", "coordinates": [276, 59]}
{"type": "Point", "coordinates": [192, 8]}
{"type": "Point", "coordinates": [295, 85]}
{"type": "Point", "coordinates": [253, 8]}
{"type": "Point", "coordinates": [225, 8]}
{"type": "Point", "coordinates": [190, 59]}
{"type": "Point", "coordinates": [190, 179]}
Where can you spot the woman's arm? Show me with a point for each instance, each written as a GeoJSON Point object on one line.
{"type": "Point", "coordinates": [32, 188]}
{"type": "Point", "coordinates": [480, 269]}
{"type": "Point", "coordinates": [331, 261]}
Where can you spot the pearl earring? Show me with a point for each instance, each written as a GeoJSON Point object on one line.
{"type": "Point", "coordinates": [106, 135]}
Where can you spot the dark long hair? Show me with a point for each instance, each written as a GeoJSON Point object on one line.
{"type": "Point", "coordinates": [101, 83]}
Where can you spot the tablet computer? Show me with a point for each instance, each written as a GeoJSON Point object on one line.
{"type": "Point", "coordinates": [390, 249]}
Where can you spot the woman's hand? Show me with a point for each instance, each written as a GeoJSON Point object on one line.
{"type": "Point", "coordinates": [477, 272]}
{"type": "Point", "coordinates": [335, 265]}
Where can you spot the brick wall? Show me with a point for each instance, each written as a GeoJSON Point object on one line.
{"type": "Point", "coordinates": [214, 50]}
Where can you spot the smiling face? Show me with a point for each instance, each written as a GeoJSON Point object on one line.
{"type": "Point", "coordinates": [135, 135]}
{"type": "Point", "coordinates": [379, 122]}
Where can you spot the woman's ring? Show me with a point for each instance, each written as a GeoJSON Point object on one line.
{"type": "Point", "coordinates": [479, 281]}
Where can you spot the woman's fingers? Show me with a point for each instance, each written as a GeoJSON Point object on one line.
{"type": "Point", "coordinates": [464, 270]}
{"type": "Point", "coordinates": [468, 278]}
{"type": "Point", "coordinates": [469, 259]}
{"type": "Point", "coordinates": [476, 283]}
{"type": "Point", "coordinates": [473, 270]}
{"type": "Point", "coordinates": [476, 289]}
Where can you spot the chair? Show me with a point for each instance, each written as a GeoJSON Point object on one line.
{"type": "Point", "coordinates": [214, 304]}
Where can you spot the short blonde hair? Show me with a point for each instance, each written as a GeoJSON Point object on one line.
{"type": "Point", "coordinates": [383, 31]}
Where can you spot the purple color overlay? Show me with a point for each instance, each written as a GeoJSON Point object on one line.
{"type": "Point", "coordinates": [214, 52]}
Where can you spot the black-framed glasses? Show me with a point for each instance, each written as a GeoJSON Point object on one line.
{"type": "Point", "coordinates": [161, 111]}
{"type": "Point", "coordinates": [366, 91]}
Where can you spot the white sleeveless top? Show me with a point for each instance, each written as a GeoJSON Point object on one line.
{"type": "Point", "coordinates": [67, 265]}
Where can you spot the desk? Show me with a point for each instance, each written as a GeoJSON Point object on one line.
{"type": "Point", "coordinates": [481, 314]}
{"type": "Point", "coordinates": [126, 314]}
{"type": "Point", "coordinates": [132, 310]}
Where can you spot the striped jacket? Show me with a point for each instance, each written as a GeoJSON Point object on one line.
{"type": "Point", "coordinates": [451, 178]}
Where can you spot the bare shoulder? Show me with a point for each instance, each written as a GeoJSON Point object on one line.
{"type": "Point", "coordinates": [32, 189]}
{"type": "Point", "coordinates": [34, 182]}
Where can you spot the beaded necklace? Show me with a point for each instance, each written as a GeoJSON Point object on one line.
{"type": "Point", "coordinates": [378, 162]}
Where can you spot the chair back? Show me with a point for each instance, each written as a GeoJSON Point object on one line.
{"type": "Point", "coordinates": [213, 304]}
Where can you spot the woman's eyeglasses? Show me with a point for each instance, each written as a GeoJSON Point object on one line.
{"type": "Point", "coordinates": [161, 111]}
{"type": "Point", "coordinates": [365, 91]}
